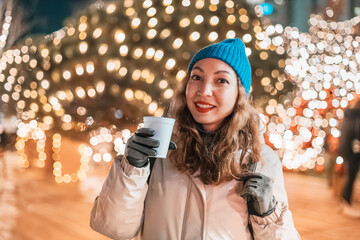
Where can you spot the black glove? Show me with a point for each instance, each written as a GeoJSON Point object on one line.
{"type": "Point", "coordinates": [140, 146]}
{"type": "Point", "coordinates": [258, 193]}
{"type": "Point", "coordinates": [172, 146]}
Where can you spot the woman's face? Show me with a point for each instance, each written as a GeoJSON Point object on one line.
{"type": "Point", "coordinates": [211, 92]}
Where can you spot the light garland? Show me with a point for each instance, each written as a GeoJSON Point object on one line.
{"type": "Point", "coordinates": [105, 144]}
{"type": "Point", "coordinates": [119, 61]}
{"type": "Point", "coordinates": [25, 133]}
{"type": "Point", "coordinates": [6, 24]}
{"type": "Point", "coordinates": [68, 177]}
{"type": "Point", "coordinates": [323, 64]}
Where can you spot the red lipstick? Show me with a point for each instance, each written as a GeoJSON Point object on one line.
{"type": "Point", "coordinates": [203, 107]}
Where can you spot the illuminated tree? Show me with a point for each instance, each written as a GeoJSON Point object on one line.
{"type": "Point", "coordinates": [324, 65]}
{"type": "Point", "coordinates": [116, 62]}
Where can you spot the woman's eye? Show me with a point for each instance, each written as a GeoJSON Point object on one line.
{"type": "Point", "coordinates": [195, 77]}
{"type": "Point", "coordinates": [222, 80]}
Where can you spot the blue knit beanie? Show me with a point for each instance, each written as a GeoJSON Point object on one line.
{"type": "Point", "coordinates": [232, 52]}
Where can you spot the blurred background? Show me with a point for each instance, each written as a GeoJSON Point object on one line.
{"type": "Point", "coordinates": [76, 78]}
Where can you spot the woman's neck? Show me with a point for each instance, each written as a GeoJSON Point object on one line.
{"type": "Point", "coordinates": [203, 132]}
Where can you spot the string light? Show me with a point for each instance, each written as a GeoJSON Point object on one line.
{"type": "Point", "coordinates": [326, 82]}
{"type": "Point", "coordinates": [93, 62]}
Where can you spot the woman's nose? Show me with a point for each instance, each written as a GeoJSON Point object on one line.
{"type": "Point", "coordinates": [205, 89]}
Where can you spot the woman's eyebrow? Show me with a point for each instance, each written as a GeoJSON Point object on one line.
{"type": "Point", "coordinates": [223, 71]}
{"type": "Point", "coordinates": [198, 68]}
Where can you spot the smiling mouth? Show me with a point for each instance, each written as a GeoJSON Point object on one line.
{"type": "Point", "coordinates": [203, 108]}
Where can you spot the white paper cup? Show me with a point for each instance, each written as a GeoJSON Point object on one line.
{"type": "Point", "coordinates": [163, 127]}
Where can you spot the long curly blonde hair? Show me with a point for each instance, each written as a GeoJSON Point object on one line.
{"type": "Point", "coordinates": [212, 158]}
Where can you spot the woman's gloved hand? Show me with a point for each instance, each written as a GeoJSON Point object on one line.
{"type": "Point", "coordinates": [140, 146]}
{"type": "Point", "coordinates": [257, 191]}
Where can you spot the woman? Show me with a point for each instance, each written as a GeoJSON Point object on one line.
{"type": "Point", "coordinates": [221, 182]}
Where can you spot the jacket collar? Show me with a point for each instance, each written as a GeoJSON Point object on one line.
{"type": "Point", "coordinates": [204, 133]}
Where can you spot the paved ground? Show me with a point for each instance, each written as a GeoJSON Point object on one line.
{"type": "Point", "coordinates": [33, 207]}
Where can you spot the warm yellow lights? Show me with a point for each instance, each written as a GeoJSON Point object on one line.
{"type": "Point", "coordinates": [147, 99]}
{"type": "Point", "coordinates": [45, 52]}
{"type": "Point", "coordinates": [123, 71]}
{"type": "Point", "coordinates": [147, 4]}
{"type": "Point", "coordinates": [57, 166]}
{"type": "Point", "coordinates": [47, 107]}
{"type": "Point", "coordinates": [145, 73]}
{"type": "Point", "coordinates": [184, 22]}
{"type": "Point", "coordinates": [136, 74]}
{"type": "Point", "coordinates": [322, 64]}
{"type": "Point", "coordinates": [247, 38]}
{"type": "Point", "coordinates": [151, 12]}
{"type": "Point", "coordinates": [58, 58]}
{"type": "Point", "coordinates": [119, 36]}
{"type": "Point", "coordinates": [97, 33]}
{"type": "Point", "coordinates": [135, 23]}
{"type": "Point", "coordinates": [212, 36]}
{"type": "Point", "coordinates": [229, 4]}
{"type": "Point", "coordinates": [79, 69]}
{"type": "Point", "coordinates": [130, 12]}
{"type": "Point", "coordinates": [186, 3]}
{"type": "Point", "coordinates": [21, 104]}
{"type": "Point", "coordinates": [169, 9]}
{"type": "Point", "coordinates": [82, 27]}
{"type": "Point", "coordinates": [165, 33]}
{"type": "Point", "coordinates": [199, 4]}
{"type": "Point", "coordinates": [48, 120]}
{"type": "Point", "coordinates": [113, 65]}
{"type": "Point", "coordinates": [163, 84]}
{"type": "Point", "coordinates": [198, 19]}
{"type": "Point", "coordinates": [257, 29]}
{"type": "Point", "coordinates": [33, 63]}
{"type": "Point", "coordinates": [169, 93]}
{"type": "Point", "coordinates": [152, 107]}
{"type": "Point", "coordinates": [139, 95]}
{"type": "Point", "coordinates": [138, 52]}
{"type": "Point", "coordinates": [213, 8]}
{"type": "Point", "coordinates": [151, 33]}
{"type": "Point", "coordinates": [150, 53]}
{"type": "Point", "coordinates": [83, 19]}
{"type": "Point", "coordinates": [129, 94]}
{"type": "Point", "coordinates": [103, 49]}
{"type": "Point", "coordinates": [82, 35]}
{"type": "Point", "coordinates": [81, 111]}
{"type": "Point", "coordinates": [194, 36]}
{"type": "Point", "coordinates": [231, 19]}
{"type": "Point", "coordinates": [158, 55]}
{"type": "Point", "coordinates": [244, 18]}
{"type": "Point", "coordinates": [265, 81]}
{"type": "Point", "coordinates": [180, 75]}
{"type": "Point", "coordinates": [170, 63]}
{"type": "Point", "coordinates": [177, 43]}
{"type": "Point", "coordinates": [66, 75]}
{"type": "Point", "coordinates": [90, 67]}
{"type": "Point", "coordinates": [66, 118]}
{"type": "Point", "coordinates": [264, 55]}
{"type": "Point", "coordinates": [111, 8]}
{"type": "Point", "coordinates": [230, 34]}
{"type": "Point", "coordinates": [150, 79]}
{"type": "Point", "coordinates": [152, 22]}
{"type": "Point", "coordinates": [214, 20]}
{"type": "Point", "coordinates": [167, 2]}
{"type": "Point", "coordinates": [80, 92]}
{"type": "Point", "coordinates": [100, 86]}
